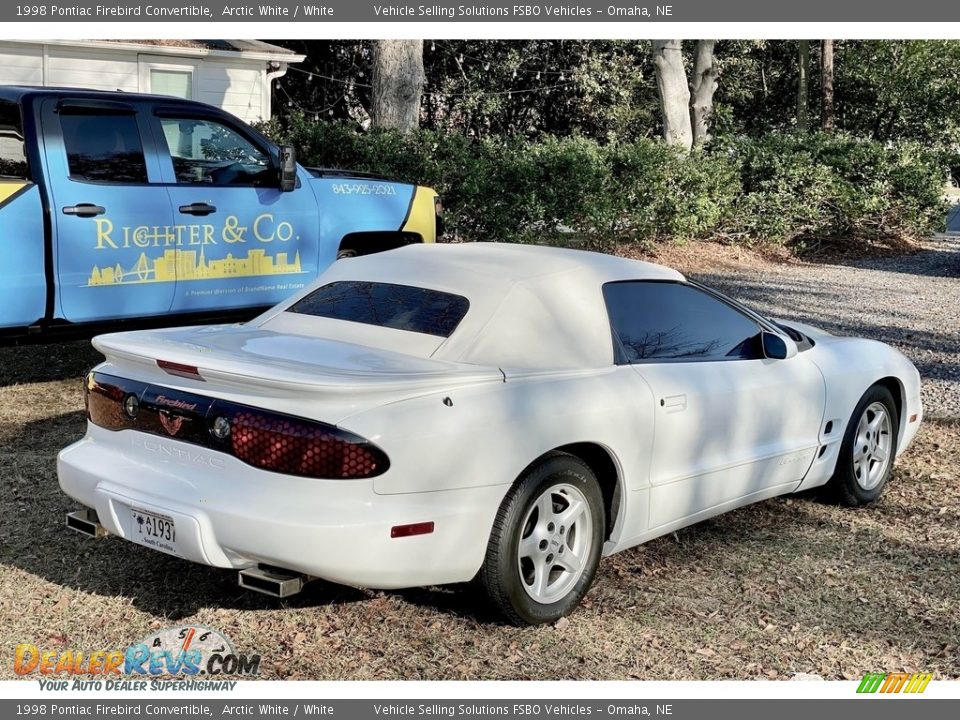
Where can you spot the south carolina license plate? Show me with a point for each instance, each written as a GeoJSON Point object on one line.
{"type": "Point", "coordinates": [156, 531]}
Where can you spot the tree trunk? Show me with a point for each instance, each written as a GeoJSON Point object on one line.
{"type": "Point", "coordinates": [803, 88]}
{"type": "Point", "coordinates": [674, 93]}
{"type": "Point", "coordinates": [397, 84]}
{"type": "Point", "coordinates": [702, 86]}
{"type": "Point", "coordinates": [826, 74]}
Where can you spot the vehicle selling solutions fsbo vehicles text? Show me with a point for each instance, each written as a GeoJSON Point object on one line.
{"type": "Point", "coordinates": [518, 11]}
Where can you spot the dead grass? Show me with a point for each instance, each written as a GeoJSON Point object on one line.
{"type": "Point", "coordinates": [787, 586]}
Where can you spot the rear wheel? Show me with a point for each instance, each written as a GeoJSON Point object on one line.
{"type": "Point", "coordinates": [868, 450]}
{"type": "Point", "coordinates": [546, 541]}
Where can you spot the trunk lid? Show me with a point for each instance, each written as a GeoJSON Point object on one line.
{"type": "Point", "coordinates": [315, 377]}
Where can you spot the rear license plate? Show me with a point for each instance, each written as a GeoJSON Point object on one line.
{"type": "Point", "coordinates": [155, 531]}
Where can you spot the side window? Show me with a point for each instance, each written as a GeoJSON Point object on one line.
{"type": "Point", "coordinates": [13, 156]}
{"type": "Point", "coordinates": [671, 321]}
{"type": "Point", "coordinates": [205, 151]}
{"type": "Point", "coordinates": [103, 148]}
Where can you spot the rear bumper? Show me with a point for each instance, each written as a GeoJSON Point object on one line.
{"type": "Point", "coordinates": [231, 515]}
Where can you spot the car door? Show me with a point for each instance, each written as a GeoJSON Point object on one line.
{"type": "Point", "coordinates": [241, 241]}
{"type": "Point", "coordinates": [730, 424]}
{"type": "Point", "coordinates": [111, 217]}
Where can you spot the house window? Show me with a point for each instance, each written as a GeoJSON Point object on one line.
{"type": "Point", "coordinates": [177, 83]}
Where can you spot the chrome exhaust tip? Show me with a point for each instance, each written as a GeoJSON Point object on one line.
{"type": "Point", "coordinates": [272, 581]}
{"type": "Point", "coordinates": [86, 523]}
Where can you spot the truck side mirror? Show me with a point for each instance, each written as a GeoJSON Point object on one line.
{"type": "Point", "coordinates": [288, 168]}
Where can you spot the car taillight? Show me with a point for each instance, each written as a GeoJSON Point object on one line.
{"type": "Point", "coordinates": [105, 404]}
{"type": "Point", "coordinates": [300, 447]}
{"type": "Point", "coordinates": [261, 438]}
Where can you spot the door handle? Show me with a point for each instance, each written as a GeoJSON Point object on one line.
{"type": "Point", "coordinates": [197, 209]}
{"type": "Point", "coordinates": [674, 403]}
{"type": "Point", "coordinates": [84, 210]}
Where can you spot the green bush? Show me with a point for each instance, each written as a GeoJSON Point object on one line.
{"type": "Point", "coordinates": [774, 189]}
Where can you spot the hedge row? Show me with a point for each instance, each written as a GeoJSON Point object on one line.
{"type": "Point", "coordinates": [775, 189]}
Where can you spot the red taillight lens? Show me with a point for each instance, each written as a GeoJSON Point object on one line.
{"type": "Point", "coordinates": [105, 404]}
{"type": "Point", "coordinates": [299, 447]}
{"type": "Point", "coordinates": [266, 440]}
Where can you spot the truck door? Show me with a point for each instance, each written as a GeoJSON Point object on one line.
{"type": "Point", "coordinates": [23, 285]}
{"type": "Point", "coordinates": [241, 242]}
{"type": "Point", "coordinates": [112, 221]}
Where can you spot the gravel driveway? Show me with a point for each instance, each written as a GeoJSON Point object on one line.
{"type": "Point", "coordinates": [909, 301]}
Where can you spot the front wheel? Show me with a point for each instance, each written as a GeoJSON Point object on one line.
{"type": "Point", "coordinates": [546, 541]}
{"type": "Point", "coordinates": [868, 450]}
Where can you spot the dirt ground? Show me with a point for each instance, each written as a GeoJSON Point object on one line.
{"type": "Point", "coordinates": [787, 586]}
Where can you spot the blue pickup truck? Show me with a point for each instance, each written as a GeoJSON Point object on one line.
{"type": "Point", "coordinates": [119, 207]}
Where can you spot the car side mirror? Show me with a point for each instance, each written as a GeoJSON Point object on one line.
{"type": "Point", "coordinates": [777, 347]}
{"type": "Point", "coordinates": [288, 168]}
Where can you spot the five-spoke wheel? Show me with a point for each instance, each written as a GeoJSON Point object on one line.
{"type": "Point", "coordinates": [555, 544]}
{"type": "Point", "coordinates": [546, 541]}
{"type": "Point", "coordinates": [871, 446]}
{"type": "Point", "coordinates": [868, 450]}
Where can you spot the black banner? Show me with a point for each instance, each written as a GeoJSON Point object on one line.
{"type": "Point", "coordinates": [490, 11]}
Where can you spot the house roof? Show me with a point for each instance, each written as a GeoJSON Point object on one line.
{"type": "Point", "coordinates": [248, 49]}
{"type": "Point", "coordinates": [221, 45]}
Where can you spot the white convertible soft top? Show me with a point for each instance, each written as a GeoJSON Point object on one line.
{"type": "Point", "coordinates": [530, 306]}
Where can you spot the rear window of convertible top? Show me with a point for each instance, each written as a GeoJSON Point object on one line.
{"type": "Point", "coordinates": [401, 307]}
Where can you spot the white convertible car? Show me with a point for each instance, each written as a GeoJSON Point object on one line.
{"type": "Point", "coordinates": [441, 413]}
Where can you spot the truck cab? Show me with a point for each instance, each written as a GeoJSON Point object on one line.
{"type": "Point", "coordinates": [118, 207]}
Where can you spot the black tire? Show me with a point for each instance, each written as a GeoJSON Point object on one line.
{"type": "Point", "coordinates": [501, 575]}
{"type": "Point", "coordinates": [846, 487]}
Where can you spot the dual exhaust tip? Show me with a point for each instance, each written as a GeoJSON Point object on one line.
{"type": "Point", "coordinates": [275, 582]}
{"type": "Point", "coordinates": [264, 579]}
{"type": "Point", "coordinates": [86, 523]}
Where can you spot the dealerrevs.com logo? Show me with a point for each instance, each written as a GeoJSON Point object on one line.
{"type": "Point", "coordinates": [187, 657]}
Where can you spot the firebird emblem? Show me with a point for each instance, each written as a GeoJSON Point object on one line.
{"type": "Point", "coordinates": [171, 423]}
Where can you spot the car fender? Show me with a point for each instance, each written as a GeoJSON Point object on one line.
{"type": "Point", "coordinates": [448, 440]}
{"type": "Point", "coordinates": [850, 366]}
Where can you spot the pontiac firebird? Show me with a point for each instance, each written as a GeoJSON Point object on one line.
{"type": "Point", "coordinates": [502, 413]}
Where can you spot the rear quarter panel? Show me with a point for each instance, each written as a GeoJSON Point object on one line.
{"type": "Point", "coordinates": [487, 435]}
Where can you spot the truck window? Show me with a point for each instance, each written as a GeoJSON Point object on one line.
{"type": "Point", "coordinates": [205, 151]}
{"type": "Point", "coordinates": [103, 148]}
{"type": "Point", "coordinates": [13, 157]}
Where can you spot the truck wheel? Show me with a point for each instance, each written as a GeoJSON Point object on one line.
{"type": "Point", "coordinates": [868, 450]}
{"type": "Point", "coordinates": [546, 541]}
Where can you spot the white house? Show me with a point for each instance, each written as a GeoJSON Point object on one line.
{"type": "Point", "coordinates": [235, 75]}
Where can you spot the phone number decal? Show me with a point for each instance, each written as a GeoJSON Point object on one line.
{"type": "Point", "coordinates": [362, 189]}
